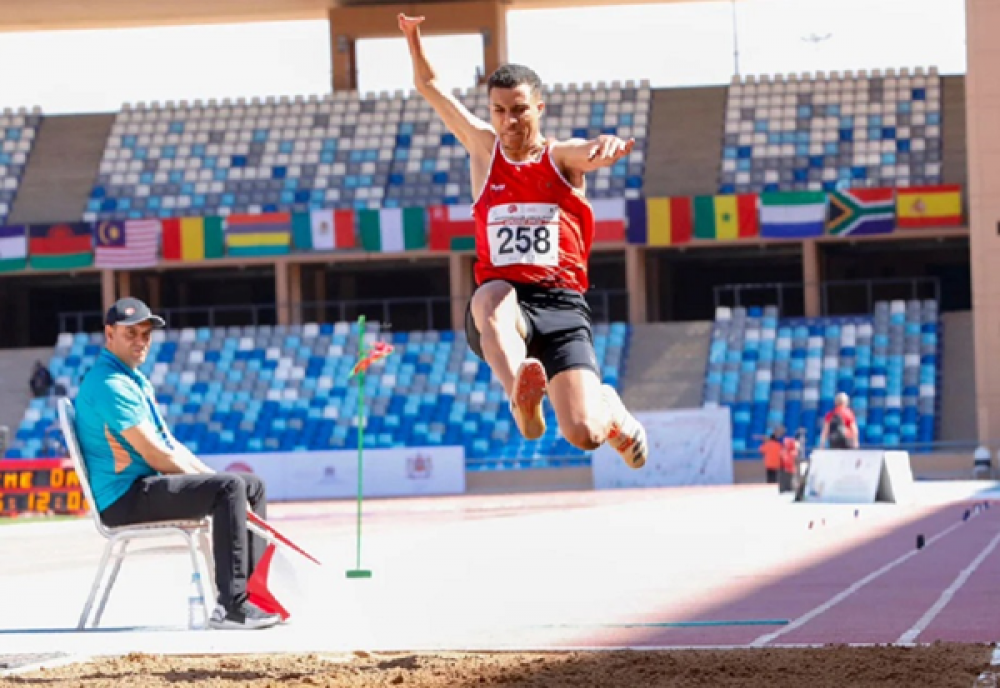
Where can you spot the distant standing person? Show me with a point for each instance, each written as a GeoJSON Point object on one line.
{"type": "Point", "coordinates": [840, 427]}
{"type": "Point", "coordinates": [771, 451]}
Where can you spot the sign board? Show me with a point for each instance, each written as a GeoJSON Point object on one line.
{"type": "Point", "coordinates": [686, 447]}
{"type": "Point", "coordinates": [334, 474]}
{"type": "Point", "coordinates": [849, 476]}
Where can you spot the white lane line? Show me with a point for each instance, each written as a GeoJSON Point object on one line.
{"type": "Point", "coordinates": [956, 585]}
{"type": "Point", "coordinates": [847, 592]}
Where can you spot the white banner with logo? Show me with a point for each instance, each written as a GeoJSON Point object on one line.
{"type": "Point", "coordinates": [686, 447]}
{"type": "Point", "coordinates": [334, 474]}
{"type": "Point", "coordinates": [843, 476]}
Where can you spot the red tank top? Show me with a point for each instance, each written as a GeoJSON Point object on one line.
{"type": "Point", "coordinates": [532, 226]}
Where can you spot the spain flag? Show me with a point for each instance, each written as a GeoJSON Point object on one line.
{"type": "Point", "coordinates": [929, 206]}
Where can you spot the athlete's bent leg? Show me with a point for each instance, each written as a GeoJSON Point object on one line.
{"type": "Point", "coordinates": [502, 334]}
{"type": "Point", "coordinates": [591, 414]}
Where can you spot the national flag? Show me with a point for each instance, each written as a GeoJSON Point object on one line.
{"type": "Point", "coordinates": [792, 214]}
{"type": "Point", "coordinates": [324, 230]}
{"type": "Point", "coordinates": [126, 245]}
{"type": "Point", "coordinates": [609, 219]}
{"type": "Point", "coordinates": [725, 217]}
{"type": "Point", "coordinates": [660, 221]}
{"type": "Point", "coordinates": [859, 212]}
{"type": "Point", "coordinates": [393, 229]}
{"type": "Point", "coordinates": [268, 234]}
{"type": "Point", "coordinates": [193, 238]}
{"type": "Point", "coordinates": [452, 228]}
{"type": "Point", "coordinates": [377, 352]}
{"type": "Point", "coordinates": [13, 248]}
{"type": "Point", "coordinates": [929, 206]}
{"type": "Point", "coordinates": [64, 246]}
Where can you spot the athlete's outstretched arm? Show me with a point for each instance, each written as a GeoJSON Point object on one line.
{"type": "Point", "coordinates": [586, 156]}
{"type": "Point", "coordinates": [476, 135]}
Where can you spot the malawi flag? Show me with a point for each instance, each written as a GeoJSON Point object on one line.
{"type": "Point", "coordinates": [393, 229]}
{"type": "Point", "coordinates": [860, 212]}
{"type": "Point", "coordinates": [660, 221]}
{"type": "Point", "coordinates": [13, 248]}
{"type": "Point", "coordinates": [726, 217]}
{"type": "Point", "coordinates": [452, 228]}
{"type": "Point", "coordinates": [193, 238]}
{"type": "Point", "coordinates": [269, 234]}
{"type": "Point", "coordinates": [324, 230]}
{"type": "Point", "coordinates": [609, 219]}
{"type": "Point", "coordinates": [929, 206]}
{"type": "Point", "coordinates": [61, 247]}
{"type": "Point", "coordinates": [792, 214]}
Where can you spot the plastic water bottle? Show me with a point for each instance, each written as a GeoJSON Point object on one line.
{"type": "Point", "coordinates": [196, 603]}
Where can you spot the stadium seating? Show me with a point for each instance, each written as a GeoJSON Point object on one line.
{"type": "Point", "coordinates": [340, 151]}
{"type": "Point", "coordinates": [17, 132]}
{"type": "Point", "coordinates": [235, 390]}
{"type": "Point", "coordinates": [770, 371]}
{"type": "Point", "coordinates": [799, 132]}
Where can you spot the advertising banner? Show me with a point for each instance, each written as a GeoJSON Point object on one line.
{"type": "Point", "coordinates": [334, 474]}
{"type": "Point", "coordinates": [686, 447]}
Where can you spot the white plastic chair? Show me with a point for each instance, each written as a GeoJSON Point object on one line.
{"type": "Point", "coordinates": [196, 535]}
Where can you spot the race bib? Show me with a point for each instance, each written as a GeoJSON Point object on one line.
{"type": "Point", "coordinates": [524, 234]}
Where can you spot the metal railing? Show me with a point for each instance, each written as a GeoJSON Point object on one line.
{"type": "Point", "coordinates": [870, 290]}
{"type": "Point", "coordinates": [406, 313]}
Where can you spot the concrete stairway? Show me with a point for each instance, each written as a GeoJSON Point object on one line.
{"type": "Point", "coordinates": [685, 150]}
{"type": "Point", "coordinates": [62, 168]}
{"type": "Point", "coordinates": [15, 372]}
{"type": "Point", "coordinates": [958, 378]}
{"type": "Point", "coordinates": [666, 366]}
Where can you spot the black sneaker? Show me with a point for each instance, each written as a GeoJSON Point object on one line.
{"type": "Point", "coordinates": [246, 616]}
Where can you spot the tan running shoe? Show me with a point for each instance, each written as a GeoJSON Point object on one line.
{"type": "Point", "coordinates": [530, 384]}
{"type": "Point", "coordinates": [627, 435]}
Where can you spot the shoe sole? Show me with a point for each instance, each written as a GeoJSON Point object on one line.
{"type": "Point", "coordinates": [640, 461]}
{"type": "Point", "coordinates": [530, 384]}
{"type": "Point", "coordinates": [248, 626]}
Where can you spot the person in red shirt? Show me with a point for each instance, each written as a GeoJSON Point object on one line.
{"type": "Point", "coordinates": [840, 427]}
{"type": "Point", "coordinates": [528, 318]}
{"type": "Point", "coordinates": [771, 451]}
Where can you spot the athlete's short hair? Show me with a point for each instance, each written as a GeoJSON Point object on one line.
{"type": "Point", "coordinates": [514, 75]}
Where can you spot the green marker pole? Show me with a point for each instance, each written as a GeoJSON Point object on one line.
{"type": "Point", "coordinates": [357, 571]}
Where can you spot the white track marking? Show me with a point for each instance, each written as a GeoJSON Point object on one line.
{"type": "Point", "coordinates": [853, 588]}
{"type": "Point", "coordinates": [956, 585]}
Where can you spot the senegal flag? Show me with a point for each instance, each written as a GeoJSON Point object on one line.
{"type": "Point", "coordinates": [726, 217]}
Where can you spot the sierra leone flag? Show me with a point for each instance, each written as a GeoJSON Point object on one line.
{"type": "Point", "coordinates": [857, 212]}
{"type": "Point", "coordinates": [792, 214]}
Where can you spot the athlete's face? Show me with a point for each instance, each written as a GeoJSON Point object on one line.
{"type": "Point", "coordinates": [515, 113]}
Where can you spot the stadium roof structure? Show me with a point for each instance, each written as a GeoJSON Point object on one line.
{"type": "Point", "coordinates": [41, 15]}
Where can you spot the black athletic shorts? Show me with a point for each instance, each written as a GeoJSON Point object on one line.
{"type": "Point", "coordinates": [559, 328]}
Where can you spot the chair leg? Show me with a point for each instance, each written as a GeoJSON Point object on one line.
{"type": "Point", "coordinates": [198, 565]}
{"type": "Point", "coordinates": [111, 582]}
{"type": "Point", "coordinates": [95, 586]}
{"type": "Point", "coordinates": [205, 551]}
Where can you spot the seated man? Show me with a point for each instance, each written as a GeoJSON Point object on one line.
{"type": "Point", "coordinates": [140, 473]}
